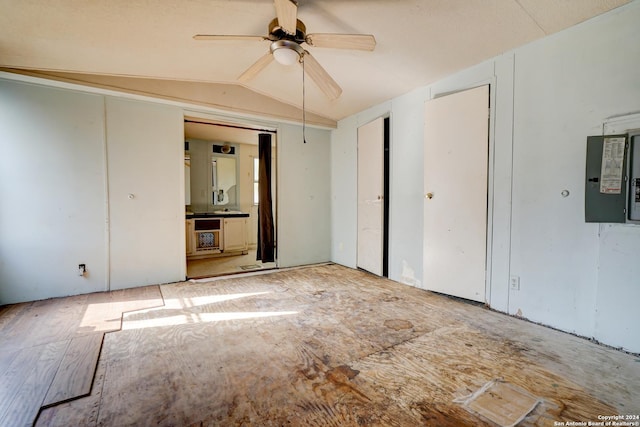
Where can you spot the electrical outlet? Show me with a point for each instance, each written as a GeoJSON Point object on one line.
{"type": "Point", "coordinates": [82, 268]}
{"type": "Point", "coordinates": [514, 283]}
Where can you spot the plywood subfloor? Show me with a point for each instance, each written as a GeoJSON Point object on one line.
{"type": "Point", "coordinates": [331, 346]}
{"type": "Point", "coordinates": [50, 348]}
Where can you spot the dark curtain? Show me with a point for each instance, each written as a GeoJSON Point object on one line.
{"type": "Point", "coordinates": [266, 239]}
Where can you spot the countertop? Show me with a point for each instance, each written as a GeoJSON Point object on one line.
{"type": "Point", "coordinates": [230, 214]}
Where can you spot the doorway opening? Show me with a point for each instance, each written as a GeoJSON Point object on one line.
{"type": "Point", "coordinates": [385, 202]}
{"type": "Point", "coordinates": [229, 172]}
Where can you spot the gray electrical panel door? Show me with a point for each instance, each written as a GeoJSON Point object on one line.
{"type": "Point", "coordinates": [634, 167]}
{"type": "Point", "coordinates": [606, 179]}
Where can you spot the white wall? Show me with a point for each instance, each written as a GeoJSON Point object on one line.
{"type": "Point", "coordinates": [200, 157]}
{"type": "Point", "coordinates": [405, 197]}
{"type": "Point", "coordinates": [566, 86]}
{"type": "Point", "coordinates": [68, 161]}
{"type": "Point", "coordinates": [246, 154]}
{"type": "Point", "coordinates": [145, 145]}
{"type": "Point", "coordinates": [546, 98]}
{"type": "Point", "coordinates": [52, 192]}
{"type": "Point", "coordinates": [303, 200]}
{"type": "Point", "coordinates": [249, 152]}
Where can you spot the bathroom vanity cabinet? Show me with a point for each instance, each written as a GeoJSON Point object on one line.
{"type": "Point", "coordinates": [216, 235]}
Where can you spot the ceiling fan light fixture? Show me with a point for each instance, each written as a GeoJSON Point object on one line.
{"type": "Point", "coordinates": [286, 52]}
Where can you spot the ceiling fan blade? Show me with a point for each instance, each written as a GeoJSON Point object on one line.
{"type": "Point", "coordinates": [321, 77]}
{"type": "Point", "coordinates": [257, 66]}
{"type": "Point", "coordinates": [286, 11]}
{"type": "Point", "coordinates": [342, 41]}
{"type": "Point", "coordinates": [216, 37]}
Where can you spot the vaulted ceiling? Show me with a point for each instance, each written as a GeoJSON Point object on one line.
{"type": "Point", "coordinates": [147, 47]}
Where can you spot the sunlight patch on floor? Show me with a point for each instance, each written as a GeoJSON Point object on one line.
{"type": "Point", "coordinates": [191, 318]}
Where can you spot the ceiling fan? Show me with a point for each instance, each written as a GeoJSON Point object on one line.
{"type": "Point", "coordinates": [286, 36]}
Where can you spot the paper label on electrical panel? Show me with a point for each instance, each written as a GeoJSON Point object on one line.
{"type": "Point", "coordinates": [612, 160]}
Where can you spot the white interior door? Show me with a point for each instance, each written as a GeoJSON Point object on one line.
{"type": "Point", "coordinates": [370, 196]}
{"type": "Point", "coordinates": [455, 186]}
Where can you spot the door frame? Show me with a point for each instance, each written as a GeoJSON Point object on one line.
{"type": "Point", "coordinates": [255, 126]}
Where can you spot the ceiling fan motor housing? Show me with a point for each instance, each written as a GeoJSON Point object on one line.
{"type": "Point", "coordinates": [276, 32]}
{"type": "Point", "coordinates": [286, 48]}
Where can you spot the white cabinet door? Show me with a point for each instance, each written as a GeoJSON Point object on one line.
{"type": "Point", "coordinates": [235, 234]}
{"type": "Point", "coordinates": [455, 186]}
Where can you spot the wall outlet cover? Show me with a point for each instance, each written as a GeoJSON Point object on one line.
{"type": "Point", "coordinates": [514, 283]}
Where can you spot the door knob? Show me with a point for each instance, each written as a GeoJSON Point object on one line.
{"type": "Point", "coordinates": [429, 196]}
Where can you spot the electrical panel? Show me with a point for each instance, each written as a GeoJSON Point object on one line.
{"type": "Point", "coordinates": [612, 186]}
{"type": "Point", "coordinates": [634, 177]}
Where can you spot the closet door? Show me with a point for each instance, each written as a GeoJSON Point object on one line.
{"type": "Point", "coordinates": [456, 150]}
{"type": "Point", "coordinates": [370, 196]}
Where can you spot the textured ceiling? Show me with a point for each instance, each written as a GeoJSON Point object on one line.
{"type": "Point", "coordinates": [418, 42]}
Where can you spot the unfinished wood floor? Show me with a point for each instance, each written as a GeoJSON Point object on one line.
{"type": "Point", "coordinates": [49, 349]}
{"type": "Point", "coordinates": [331, 346]}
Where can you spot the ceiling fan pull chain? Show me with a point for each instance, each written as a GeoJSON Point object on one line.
{"type": "Point", "coordinates": [304, 114]}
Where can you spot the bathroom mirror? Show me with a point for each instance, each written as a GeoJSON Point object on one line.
{"type": "Point", "coordinates": [224, 191]}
